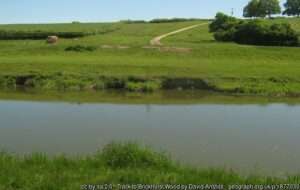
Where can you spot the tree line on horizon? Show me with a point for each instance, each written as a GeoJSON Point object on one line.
{"type": "Point", "coordinates": [263, 8]}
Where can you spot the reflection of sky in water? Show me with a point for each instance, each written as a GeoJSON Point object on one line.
{"type": "Point", "coordinates": [238, 136]}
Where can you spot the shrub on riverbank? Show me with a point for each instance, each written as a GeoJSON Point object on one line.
{"type": "Point", "coordinates": [60, 81]}
{"type": "Point", "coordinates": [255, 32]}
{"type": "Point", "coordinates": [272, 86]}
{"type": "Point", "coordinates": [148, 86]}
{"type": "Point", "coordinates": [117, 163]}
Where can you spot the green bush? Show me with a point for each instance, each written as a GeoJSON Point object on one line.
{"type": "Point", "coordinates": [115, 83]}
{"type": "Point", "coordinates": [37, 35]}
{"type": "Point", "coordinates": [147, 86]}
{"type": "Point", "coordinates": [223, 22]}
{"type": "Point", "coordinates": [80, 48]}
{"type": "Point", "coordinates": [225, 35]}
{"type": "Point", "coordinates": [131, 155]}
{"type": "Point", "coordinates": [99, 85]}
{"type": "Point", "coordinates": [255, 32]}
{"type": "Point", "coordinates": [7, 82]}
{"type": "Point", "coordinates": [224, 27]}
{"type": "Point", "coordinates": [259, 33]}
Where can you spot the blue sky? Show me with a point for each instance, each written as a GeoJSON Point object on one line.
{"type": "Point", "coordinates": [44, 11]}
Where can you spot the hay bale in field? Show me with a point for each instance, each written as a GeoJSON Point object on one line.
{"type": "Point", "coordinates": [52, 39]}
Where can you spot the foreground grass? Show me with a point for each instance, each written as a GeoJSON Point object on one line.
{"type": "Point", "coordinates": [116, 164]}
{"type": "Point", "coordinates": [224, 67]}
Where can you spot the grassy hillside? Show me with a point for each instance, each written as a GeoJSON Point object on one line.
{"type": "Point", "coordinates": [124, 60]}
{"type": "Point", "coordinates": [116, 164]}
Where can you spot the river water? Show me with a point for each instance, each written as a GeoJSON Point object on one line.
{"type": "Point", "coordinates": [248, 137]}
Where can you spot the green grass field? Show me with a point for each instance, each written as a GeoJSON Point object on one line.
{"type": "Point", "coordinates": [122, 61]}
{"type": "Point", "coordinates": [116, 164]}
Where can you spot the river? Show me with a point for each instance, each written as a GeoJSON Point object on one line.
{"type": "Point", "coordinates": [251, 137]}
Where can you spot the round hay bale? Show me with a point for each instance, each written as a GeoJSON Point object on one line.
{"type": "Point", "coordinates": [52, 39]}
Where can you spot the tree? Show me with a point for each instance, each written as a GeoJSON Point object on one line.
{"type": "Point", "coordinates": [292, 7]}
{"type": "Point", "coordinates": [262, 8]}
{"type": "Point", "coordinates": [222, 22]}
{"type": "Point", "coordinates": [252, 9]}
{"type": "Point", "coordinates": [269, 7]}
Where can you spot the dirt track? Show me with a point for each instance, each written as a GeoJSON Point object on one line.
{"type": "Point", "coordinates": [157, 40]}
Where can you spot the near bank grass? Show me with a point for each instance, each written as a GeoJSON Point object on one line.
{"type": "Point", "coordinates": [117, 163]}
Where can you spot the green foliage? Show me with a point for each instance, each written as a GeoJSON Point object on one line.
{"type": "Point", "coordinates": [147, 86]}
{"type": "Point", "coordinates": [223, 22]}
{"type": "Point", "coordinates": [262, 8]}
{"type": "Point", "coordinates": [42, 31]}
{"type": "Point", "coordinates": [225, 35]}
{"type": "Point", "coordinates": [81, 48]}
{"type": "Point", "coordinates": [37, 35]}
{"type": "Point", "coordinates": [117, 163]}
{"type": "Point", "coordinates": [259, 33]}
{"type": "Point", "coordinates": [166, 20]}
{"type": "Point", "coordinates": [131, 155]}
{"type": "Point", "coordinates": [269, 7]}
{"type": "Point", "coordinates": [187, 84]}
{"type": "Point", "coordinates": [99, 85]}
{"type": "Point", "coordinates": [69, 82]}
{"type": "Point", "coordinates": [224, 27]}
{"type": "Point", "coordinates": [292, 7]}
{"type": "Point", "coordinates": [252, 9]}
{"type": "Point", "coordinates": [115, 83]}
{"type": "Point", "coordinates": [253, 32]}
{"type": "Point", "coordinates": [133, 21]}
{"type": "Point", "coordinates": [7, 82]}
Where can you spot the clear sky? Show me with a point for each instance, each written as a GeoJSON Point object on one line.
{"type": "Point", "coordinates": [44, 11]}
